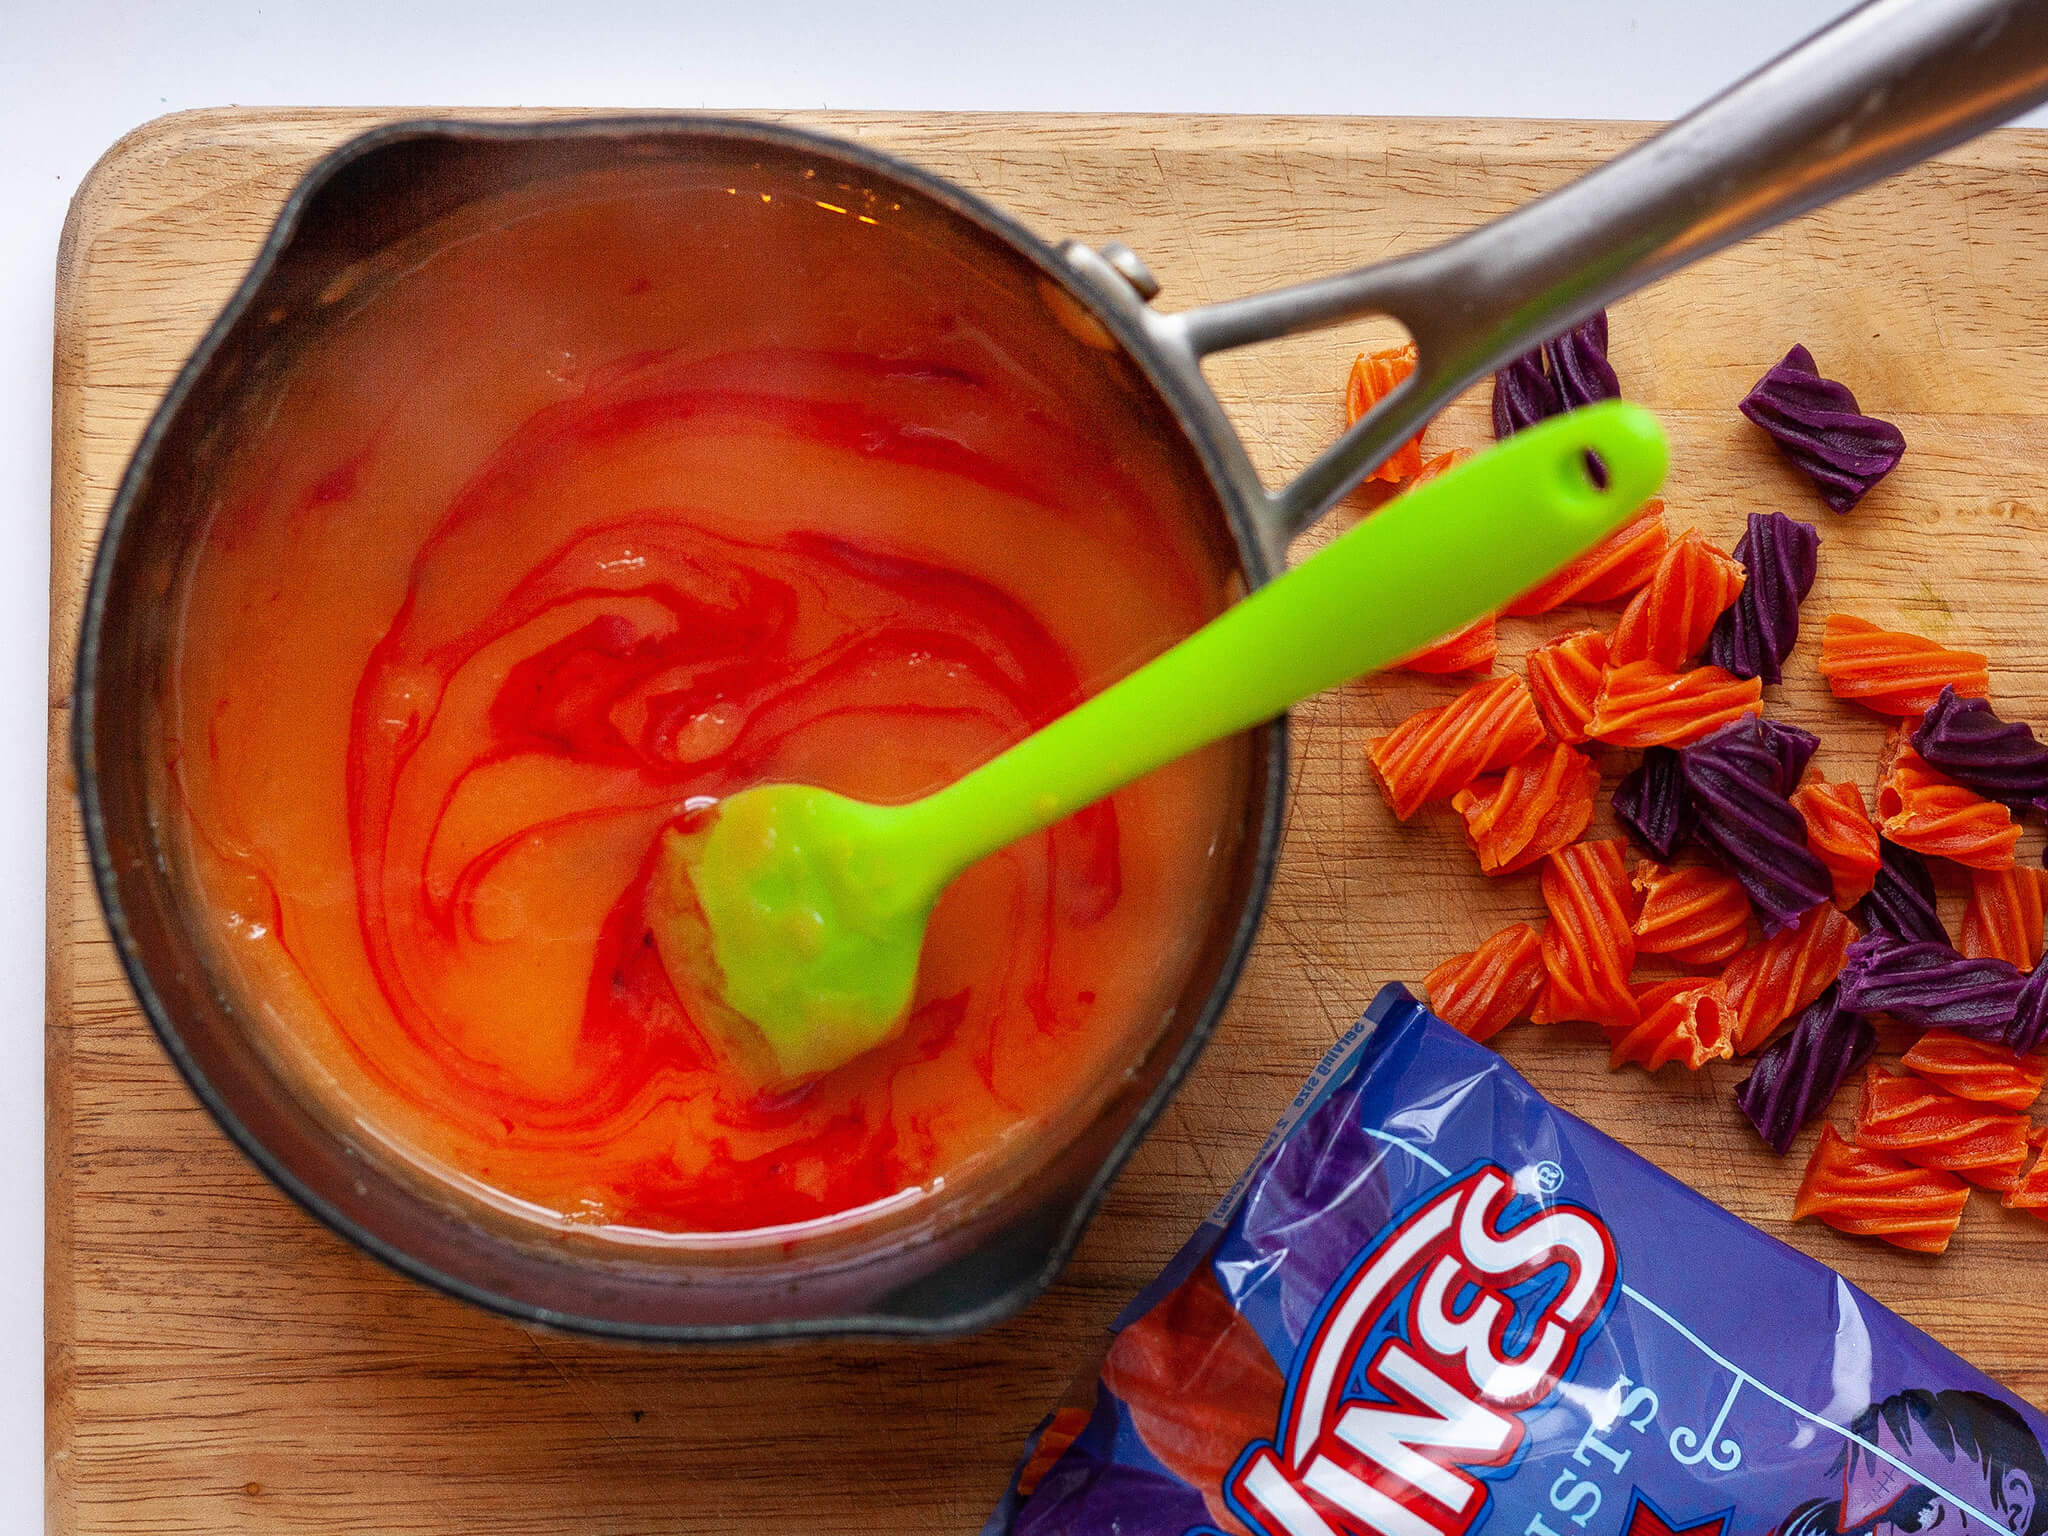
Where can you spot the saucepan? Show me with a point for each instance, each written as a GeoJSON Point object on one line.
{"type": "Point", "coordinates": [1887, 85]}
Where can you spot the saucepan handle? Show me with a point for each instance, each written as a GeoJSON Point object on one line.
{"type": "Point", "coordinates": [1887, 85]}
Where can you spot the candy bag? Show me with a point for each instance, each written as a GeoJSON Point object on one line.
{"type": "Point", "coordinates": [1437, 1304]}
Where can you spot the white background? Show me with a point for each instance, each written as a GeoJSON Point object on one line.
{"type": "Point", "coordinates": [76, 74]}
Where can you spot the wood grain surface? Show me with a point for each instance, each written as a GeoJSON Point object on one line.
{"type": "Point", "coordinates": [219, 1363]}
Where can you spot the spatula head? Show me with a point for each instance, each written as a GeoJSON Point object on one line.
{"type": "Point", "coordinates": [791, 923]}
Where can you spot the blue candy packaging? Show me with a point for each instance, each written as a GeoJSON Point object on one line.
{"type": "Point", "coordinates": [1438, 1305]}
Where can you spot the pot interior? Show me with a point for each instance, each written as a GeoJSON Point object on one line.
{"type": "Point", "coordinates": [542, 486]}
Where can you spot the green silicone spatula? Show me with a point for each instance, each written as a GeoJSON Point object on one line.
{"type": "Point", "coordinates": [792, 917]}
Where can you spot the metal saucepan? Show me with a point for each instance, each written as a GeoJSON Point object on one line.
{"type": "Point", "coordinates": [1886, 86]}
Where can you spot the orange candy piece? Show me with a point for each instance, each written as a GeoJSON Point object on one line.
{"type": "Point", "coordinates": [1932, 1128]}
{"type": "Point", "coordinates": [1373, 377]}
{"type": "Point", "coordinates": [1695, 916]}
{"type": "Point", "coordinates": [1879, 1194]}
{"type": "Point", "coordinates": [1977, 1069]}
{"type": "Point", "coordinates": [1613, 568]}
{"type": "Point", "coordinates": [1892, 672]}
{"type": "Point", "coordinates": [1588, 945]}
{"type": "Point", "coordinates": [1771, 981]}
{"type": "Point", "coordinates": [1931, 813]}
{"type": "Point", "coordinates": [2031, 1193]}
{"type": "Point", "coordinates": [1442, 463]}
{"type": "Point", "coordinates": [1539, 804]}
{"type": "Point", "coordinates": [1481, 993]}
{"type": "Point", "coordinates": [1564, 680]}
{"type": "Point", "coordinates": [1687, 1020]}
{"type": "Point", "coordinates": [1669, 620]}
{"type": "Point", "coordinates": [2002, 918]}
{"type": "Point", "coordinates": [1471, 649]}
{"type": "Point", "coordinates": [1646, 704]}
{"type": "Point", "coordinates": [1839, 831]}
{"type": "Point", "coordinates": [1434, 753]}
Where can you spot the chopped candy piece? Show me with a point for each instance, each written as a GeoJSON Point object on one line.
{"type": "Point", "coordinates": [1792, 747]}
{"type": "Point", "coordinates": [1588, 945]}
{"type": "Point", "coordinates": [1374, 376]}
{"type": "Point", "coordinates": [1771, 981]}
{"type": "Point", "coordinates": [1901, 899]}
{"type": "Point", "coordinates": [1537, 805]}
{"type": "Point", "coordinates": [1737, 779]}
{"type": "Point", "coordinates": [1798, 1073]}
{"type": "Point", "coordinates": [1579, 366]}
{"type": "Point", "coordinates": [1646, 704]}
{"type": "Point", "coordinates": [1779, 557]}
{"type": "Point", "coordinates": [1879, 1194]}
{"type": "Point", "coordinates": [1195, 1379]}
{"type": "Point", "coordinates": [2029, 1028]}
{"type": "Point", "coordinates": [1815, 422]}
{"type": "Point", "coordinates": [1932, 1128]}
{"type": "Point", "coordinates": [2003, 915]}
{"type": "Point", "coordinates": [1564, 679]}
{"type": "Point", "coordinates": [1652, 803]}
{"type": "Point", "coordinates": [1692, 916]}
{"type": "Point", "coordinates": [1839, 832]}
{"type": "Point", "coordinates": [2000, 760]}
{"type": "Point", "coordinates": [1982, 1070]}
{"type": "Point", "coordinates": [1894, 673]}
{"type": "Point", "coordinates": [1523, 395]}
{"type": "Point", "coordinates": [1434, 753]}
{"type": "Point", "coordinates": [1319, 1198]}
{"type": "Point", "coordinates": [1929, 812]}
{"type": "Point", "coordinates": [1567, 371]}
{"type": "Point", "coordinates": [1930, 986]}
{"type": "Point", "coordinates": [1471, 649]}
{"type": "Point", "coordinates": [1481, 993]}
{"type": "Point", "coordinates": [1670, 618]}
{"type": "Point", "coordinates": [1061, 1431]}
{"type": "Point", "coordinates": [1686, 1020]}
{"type": "Point", "coordinates": [2031, 1193]}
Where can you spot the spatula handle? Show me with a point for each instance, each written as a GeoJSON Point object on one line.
{"type": "Point", "coordinates": [1429, 562]}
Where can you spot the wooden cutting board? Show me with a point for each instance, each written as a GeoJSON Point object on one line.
{"type": "Point", "coordinates": [219, 1363]}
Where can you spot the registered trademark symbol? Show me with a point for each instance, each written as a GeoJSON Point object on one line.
{"type": "Point", "coordinates": [1549, 1177]}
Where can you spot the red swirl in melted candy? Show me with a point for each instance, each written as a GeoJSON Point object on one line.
{"type": "Point", "coordinates": [679, 581]}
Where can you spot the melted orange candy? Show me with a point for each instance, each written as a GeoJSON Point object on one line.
{"type": "Point", "coordinates": [506, 585]}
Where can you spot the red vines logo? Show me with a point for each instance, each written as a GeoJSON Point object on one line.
{"type": "Point", "coordinates": [1453, 1394]}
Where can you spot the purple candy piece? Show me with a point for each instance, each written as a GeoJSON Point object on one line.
{"type": "Point", "coordinates": [1523, 395]}
{"type": "Point", "coordinates": [1579, 366]}
{"type": "Point", "coordinates": [1567, 371]}
{"type": "Point", "coordinates": [1794, 749]}
{"type": "Point", "coordinates": [1999, 759]}
{"type": "Point", "coordinates": [1798, 1073]}
{"type": "Point", "coordinates": [1930, 986]}
{"type": "Point", "coordinates": [1754, 636]}
{"type": "Point", "coordinates": [1816, 423]}
{"type": "Point", "coordinates": [1901, 899]}
{"type": "Point", "coordinates": [1652, 804]}
{"type": "Point", "coordinates": [2029, 1030]}
{"type": "Point", "coordinates": [1736, 778]}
